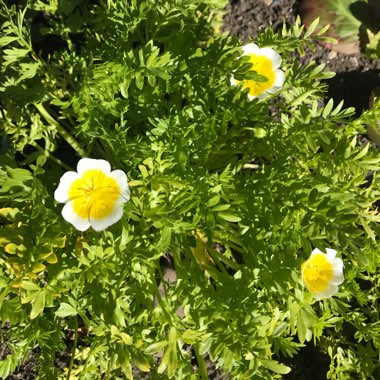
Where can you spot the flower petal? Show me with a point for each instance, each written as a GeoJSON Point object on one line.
{"type": "Point", "coordinates": [72, 217]}
{"type": "Point", "coordinates": [272, 55]}
{"type": "Point", "coordinates": [330, 290]}
{"type": "Point", "coordinates": [61, 194]}
{"type": "Point", "coordinates": [315, 250]}
{"type": "Point", "coordinates": [280, 78]}
{"type": "Point", "coordinates": [250, 49]}
{"type": "Point", "coordinates": [273, 90]}
{"type": "Point", "coordinates": [262, 96]}
{"type": "Point", "coordinates": [337, 264]}
{"type": "Point", "coordinates": [337, 278]}
{"type": "Point", "coordinates": [90, 163]}
{"type": "Point", "coordinates": [233, 81]}
{"type": "Point", "coordinates": [122, 180]}
{"type": "Point", "coordinates": [337, 275]}
{"type": "Point", "coordinates": [331, 253]}
{"type": "Point", "coordinates": [102, 224]}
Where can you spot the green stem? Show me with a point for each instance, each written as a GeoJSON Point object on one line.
{"type": "Point", "coordinates": [53, 158]}
{"type": "Point", "coordinates": [74, 348]}
{"type": "Point", "coordinates": [62, 131]}
{"type": "Point", "coordinates": [161, 301]}
{"type": "Point", "coordinates": [201, 363]}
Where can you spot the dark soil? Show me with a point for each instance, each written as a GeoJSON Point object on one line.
{"type": "Point", "coordinates": [356, 77]}
{"type": "Point", "coordinates": [26, 369]}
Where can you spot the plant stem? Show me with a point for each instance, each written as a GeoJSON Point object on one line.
{"type": "Point", "coordinates": [53, 158]}
{"type": "Point", "coordinates": [62, 131]}
{"type": "Point", "coordinates": [74, 348]}
{"type": "Point", "coordinates": [201, 363]}
{"type": "Point", "coordinates": [161, 301]}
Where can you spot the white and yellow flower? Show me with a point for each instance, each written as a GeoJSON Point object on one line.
{"type": "Point", "coordinates": [94, 195]}
{"type": "Point", "coordinates": [266, 62]}
{"type": "Point", "coordinates": [322, 273]}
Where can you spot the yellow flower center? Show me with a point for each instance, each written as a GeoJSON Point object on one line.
{"type": "Point", "coordinates": [94, 194]}
{"type": "Point", "coordinates": [263, 66]}
{"type": "Point", "coordinates": [317, 273]}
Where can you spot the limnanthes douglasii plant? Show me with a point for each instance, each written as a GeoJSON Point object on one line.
{"type": "Point", "coordinates": [230, 193]}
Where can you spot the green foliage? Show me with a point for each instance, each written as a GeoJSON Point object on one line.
{"type": "Point", "coordinates": [233, 194]}
{"type": "Point", "coordinates": [373, 47]}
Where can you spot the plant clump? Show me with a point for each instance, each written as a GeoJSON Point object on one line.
{"type": "Point", "coordinates": [233, 193]}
